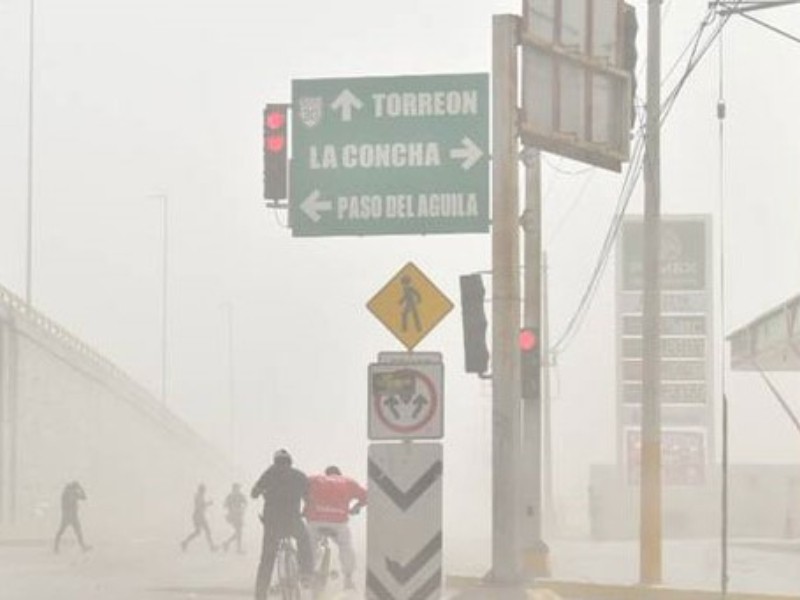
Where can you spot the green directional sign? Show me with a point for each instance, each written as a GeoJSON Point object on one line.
{"type": "Point", "coordinates": [390, 155]}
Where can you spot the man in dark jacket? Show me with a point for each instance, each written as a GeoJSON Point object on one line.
{"type": "Point", "coordinates": [284, 489]}
{"type": "Point", "coordinates": [72, 494]}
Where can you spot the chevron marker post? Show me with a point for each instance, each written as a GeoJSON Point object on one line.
{"type": "Point", "coordinates": [404, 522]}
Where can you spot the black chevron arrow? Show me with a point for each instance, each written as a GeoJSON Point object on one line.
{"type": "Point", "coordinates": [429, 587]}
{"type": "Point", "coordinates": [378, 590]}
{"type": "Point", "coordinates": [405, 499]}
{"type": "Point", "coordinates": [423, 592]}
{"type": "Point", "coordinates": [403, 573]}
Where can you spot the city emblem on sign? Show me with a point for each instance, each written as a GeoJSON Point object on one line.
{"type": "Point", "coordinates": [310, 111]}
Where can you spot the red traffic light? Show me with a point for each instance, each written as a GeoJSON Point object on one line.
{"type": "Point", "coordinates": [275, 119]}
{"type": "Point", "coordinates": [275, 143]}
{"type": "Point", "coordinates": [528, 339]}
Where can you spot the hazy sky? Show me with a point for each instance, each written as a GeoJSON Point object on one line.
{"type": "Point", "coordinates": [135, 98]}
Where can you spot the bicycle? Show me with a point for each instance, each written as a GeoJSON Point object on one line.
{"type": "Point", "coordinates": [287, 570]}
{"type": "Point", "coordinates": [323, 571]}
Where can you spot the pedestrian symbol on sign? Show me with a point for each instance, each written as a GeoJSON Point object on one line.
{"type": "Point", "coordinates": [411, 298]}
{"type": "Point", "coordinates": [410, 305]}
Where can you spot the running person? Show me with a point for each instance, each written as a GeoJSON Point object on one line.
{"type": "Point", "coordinates": [235, 504]}
{"type": "Point", "coordinates": [72, 494]}
{"type": "Point", "coordinates": [330, 503]}
{"type": "Point", "coordinates": [284, 489]}
{"type": "Point", "coordinates": [199, 519]}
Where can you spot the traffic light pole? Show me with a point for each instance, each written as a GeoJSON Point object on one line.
{"type": "Point", "coordinates": [650, 500]}
{"type": "Point", "coordinates": [505, 303]}
{"type": "Point", "coordinates": [548, 502]}
{"type": "Point", "coordinates": [535, 551]}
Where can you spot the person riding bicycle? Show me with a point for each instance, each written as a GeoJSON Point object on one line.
{"type": "Point", "coordinates": [329, 506]}
{"type": "Point", "coordinates": [283, 488]}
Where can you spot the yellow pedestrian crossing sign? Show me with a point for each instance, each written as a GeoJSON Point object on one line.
{"type": "Point", "coordinates": [410, 305]}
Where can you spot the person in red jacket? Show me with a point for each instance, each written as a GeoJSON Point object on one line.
{"type": "Point", "coordinates": [332, 498]}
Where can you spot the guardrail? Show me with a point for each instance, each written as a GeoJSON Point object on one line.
{"type": "Point", "coordinates": [140, 396]}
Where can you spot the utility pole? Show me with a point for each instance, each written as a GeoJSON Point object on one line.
{"type": "Point", "coordinates": [228, 306]}
{"type": "Point", "coordinates": [505, 303]}
{"type": "Point", "coordinates": [549, 512]}
{"type": "Point", "coordinates": [164, 298]}
{"type": "Point", "coordinates": [29, 240]}
{"type": "Point", "coordinates": [535, 550]}
{"type": "Point", "coordinates": [650, 486]}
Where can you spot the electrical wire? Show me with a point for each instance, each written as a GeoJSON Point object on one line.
{"type": "Point", "coordinates": [281, 222]}
{"type": "Point", "coordinates": [721, 110]}
{"type": "Point", "coordinates": [772, 28]}
{"type": "Point", "coordinates": [558, 169]}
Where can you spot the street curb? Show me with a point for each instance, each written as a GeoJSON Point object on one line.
{"type": "Point", "coordinates": [639, 592]}
{"type": "Point", "coordinates": [601, 591]}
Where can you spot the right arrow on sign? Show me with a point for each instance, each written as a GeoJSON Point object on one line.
{"type": "Point", "coordinates": [468, 153]}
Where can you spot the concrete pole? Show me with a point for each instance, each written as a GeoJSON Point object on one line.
{"type": "Point", "coordinates": [29, 241]}
{"type": "Point", "coordinates": [164, 297]}
{"type": "Point", "coordinates": [13, 370]}
{"type": "Point", "coordinates": [3, 388]}
{"type": "Point", "coordinates": [549, 511]}
{"type": "Point", "coordinates": [535, 550]}
{"type": "Point", "coordinates": [650, 501]}
{"type": "Point", "coordinates": [505, 302]}
{"type": "Point", "coordinates": [231, 384]}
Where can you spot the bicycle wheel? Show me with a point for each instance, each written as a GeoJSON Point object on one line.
{"type": "Point", "coordinates": [323, 571]}
{"type": "Point", "coordinates": [288, 572]}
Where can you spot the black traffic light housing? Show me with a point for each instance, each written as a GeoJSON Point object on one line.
{"type": "Point", "coordinates": [530, 361]}
{"type": "Point", "coordinates": [276, 142]}
{"type": "Point", "coordinates": [473, 315]}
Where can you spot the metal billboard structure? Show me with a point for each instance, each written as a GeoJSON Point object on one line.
{"type": "Point", "coordinates": [685, 348]}
{"type": "Point", "coordinates": [771, 342]}
{"type": "Point", "coordinates": [576, 97]}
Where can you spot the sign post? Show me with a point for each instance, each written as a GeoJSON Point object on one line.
{"type": "Point", "coordinates": [390, 155]}
{"type": "Point", "coordinates": [404, 521]}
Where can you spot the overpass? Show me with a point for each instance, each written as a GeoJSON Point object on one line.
{"type": "Point", "coordinates": [66, 413]}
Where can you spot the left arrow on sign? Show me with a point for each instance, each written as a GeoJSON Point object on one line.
{"type": "Point", "coordinates": [469, 153]}
{"type": "Point", "coordinates": [313, 205]}
{"type": "Point", "coordinates": [346, 102]}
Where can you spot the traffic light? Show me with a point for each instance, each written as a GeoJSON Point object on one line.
{"type": "Point", "coordinates": [629, 54]}
{"type": "Point", "coordinates": [276, 141]}
{"type": "Point", "coordinates": [530, 361]}
{"type": "Point", "coordinates": [473, 294]}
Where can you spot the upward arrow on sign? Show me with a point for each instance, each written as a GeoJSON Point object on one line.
{"type": "Point", "coordinates": [345, 103]}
